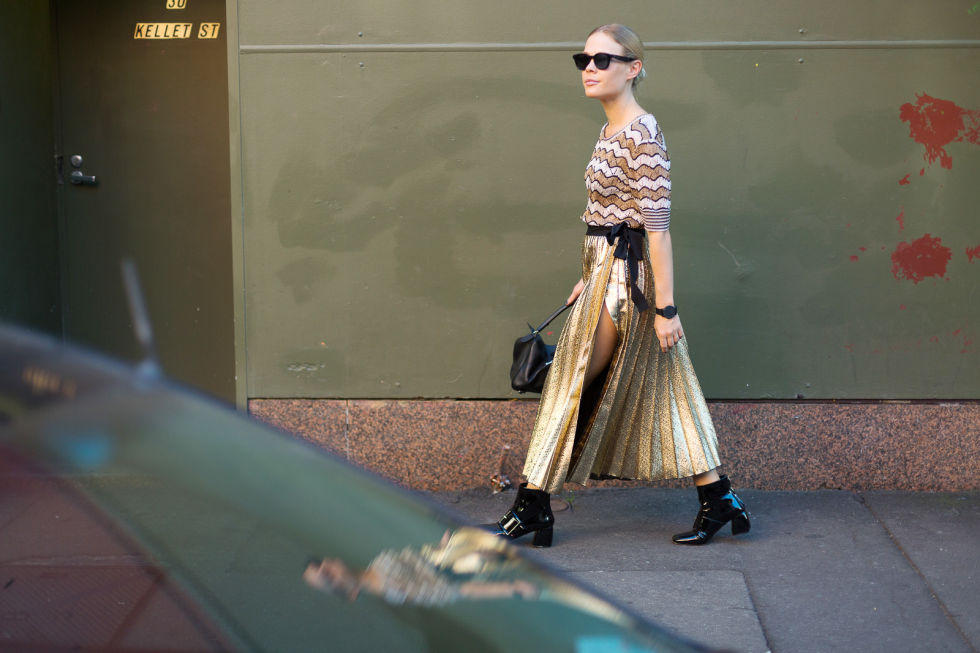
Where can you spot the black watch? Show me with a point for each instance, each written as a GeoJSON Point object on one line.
{"type": "Point", "coordinates": [667, 311]}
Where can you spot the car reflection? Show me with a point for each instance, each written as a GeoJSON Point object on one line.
{"type": "Point", "coordinates": [466, 564]}
{"type": "Point", "coordinates": [70, 578]}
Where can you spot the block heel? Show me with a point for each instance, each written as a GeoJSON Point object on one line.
{"type": "Point", "coordinates": [740, 524]}
{"type": "Point", "coordinates": [542, 538]}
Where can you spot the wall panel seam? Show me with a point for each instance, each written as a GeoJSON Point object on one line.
{"type": "Point", "coordinates": [314, 48]}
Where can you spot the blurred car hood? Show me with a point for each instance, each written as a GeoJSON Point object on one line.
{"type": "Point", "coordinates": [140, 515]}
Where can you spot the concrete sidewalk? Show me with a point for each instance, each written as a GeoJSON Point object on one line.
{"type": "Point", "coordinates": [820, 571]}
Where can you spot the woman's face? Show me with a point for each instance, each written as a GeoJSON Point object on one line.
{"type": "Point", "coordinates": [614, 80]}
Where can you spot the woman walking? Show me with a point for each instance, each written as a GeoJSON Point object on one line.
{"type": "Point", "coordinates": [621, 399]}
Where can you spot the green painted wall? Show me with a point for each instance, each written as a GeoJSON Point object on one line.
{"type": "Point", "coordinates": [412, 186]}
{"type": "Point", "coordinates": [29, 280]}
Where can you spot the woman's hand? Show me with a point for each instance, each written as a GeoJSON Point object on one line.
{"type": "Point", "coordinates": [576, 291]}
{"type": "Point", "coordinates": [669, 332]}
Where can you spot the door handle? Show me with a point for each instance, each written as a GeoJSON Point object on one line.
{"type": "Point", "coordinates": [78, 179]}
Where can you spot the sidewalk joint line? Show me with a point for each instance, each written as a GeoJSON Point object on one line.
{"type": "Point", "coordinates": [347, 428]}
{"type": "Point", "coordinates": [755, 607]}
{"type": "Point", "coordinates": [932, 591]}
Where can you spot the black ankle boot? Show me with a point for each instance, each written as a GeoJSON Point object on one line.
{"type": "Point", "coordinates": [531, 513]}
{"type": "Point", "coordinates": [719, 505]}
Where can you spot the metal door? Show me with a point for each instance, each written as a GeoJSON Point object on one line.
{"type": "Point", "coordinates": [144, 174]}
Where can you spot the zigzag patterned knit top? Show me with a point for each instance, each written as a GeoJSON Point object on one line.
{"type": "Point", "coordinates": [628, 178]}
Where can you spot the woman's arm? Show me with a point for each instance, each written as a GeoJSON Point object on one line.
{"type": "Point", "coordinates": [576, 291]}
{"type": "Point", "coordinates": [649, 176]}
{"type": "Point", "coordinates": [662, 262]}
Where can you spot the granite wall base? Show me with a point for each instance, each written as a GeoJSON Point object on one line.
{"type": "Point", "coordinates": [442, 445]}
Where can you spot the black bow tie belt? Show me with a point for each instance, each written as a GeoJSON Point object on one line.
{"type": "Point", "coordinates": [629, 248]}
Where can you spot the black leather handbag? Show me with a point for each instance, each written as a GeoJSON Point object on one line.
{"type": "Point", "coordinates": [532, 358]}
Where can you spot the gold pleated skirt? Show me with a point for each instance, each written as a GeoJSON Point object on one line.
{"type": "Point", "coordinates": [649, 420]}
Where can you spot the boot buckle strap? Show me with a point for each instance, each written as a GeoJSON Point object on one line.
{"type": "Point", "coordinates": [510, 523]}
{"type": "Point", "coordinates": [701, 519]}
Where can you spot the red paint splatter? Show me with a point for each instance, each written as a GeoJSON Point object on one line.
{"type": "Point", "coordinates": [934, 339]}
{"type": "Point", "coordinates": [904, 181]}
{"type": "Point", "coordinates": [936, 123]}
{"type": "Point", "coordinates": [957, 332]}
{"type": "Point", "coordinates": [901, 219]}
{"type": "Point", "coordinates": [550, 333]}
{"type": "Point", "coordinates": [849, 348]}
{"type": "Point", "coordinates": [922, 171]}
{"type": "Point", "coordinates": [863, 249]}
{"type": "Point", "coordinates": [901, 307]}
{"type": "Point", "coordinates": [972, 253]}
{"type": "Point", "coordinates": [854, 258]}
{"type": "Point", "coordinates": [925, 257]}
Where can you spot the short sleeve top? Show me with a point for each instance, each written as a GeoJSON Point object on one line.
{"type": "Point", "coordinates": [628, 178]}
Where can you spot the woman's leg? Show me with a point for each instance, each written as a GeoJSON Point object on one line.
{"type": "Point", "coordinates": [603, 346]}
{"type": "Point", "coordinates": [531, 512]}
{"type": "Point", "coordinates": [707, 478]}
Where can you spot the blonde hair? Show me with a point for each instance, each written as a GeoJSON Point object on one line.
{"type": "Point", "coordinates": [632, 45]}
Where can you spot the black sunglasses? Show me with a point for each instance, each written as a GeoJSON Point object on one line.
{"type": "Point", "coordinates": [601, 59]}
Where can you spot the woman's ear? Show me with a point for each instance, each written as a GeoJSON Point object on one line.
{"type": "Point", "coordinates": [635, 68]}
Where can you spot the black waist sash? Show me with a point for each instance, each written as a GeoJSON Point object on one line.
{"type": "Point", "coordinates": [629, 248]}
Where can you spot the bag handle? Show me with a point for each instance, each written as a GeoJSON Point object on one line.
{"type": "Point", "coordinates": [551, 317]}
